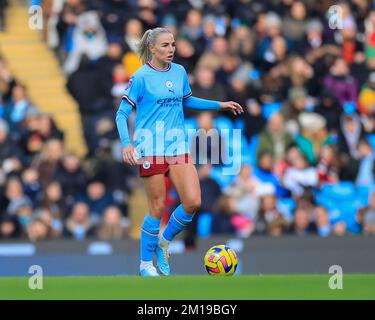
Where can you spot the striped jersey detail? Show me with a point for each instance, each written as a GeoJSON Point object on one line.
{"type": "Point", "coordinates": [187, 95]}
{"type": "Point", "coordinates": [129, 100]}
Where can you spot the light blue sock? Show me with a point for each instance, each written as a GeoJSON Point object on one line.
{"type": "Point", "coordinates": [149, 237]}
{"type": "Point", "coordinates": [178, 220]}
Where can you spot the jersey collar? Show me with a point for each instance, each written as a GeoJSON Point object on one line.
{"type": "Point", "coordinates": [158, 69]}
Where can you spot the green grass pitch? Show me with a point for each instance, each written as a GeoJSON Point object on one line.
{"type": "Point", "coordinates": [355, 286]}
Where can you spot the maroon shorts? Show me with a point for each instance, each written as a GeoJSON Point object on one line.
{"type": "Point", "coordinates": [149, 166]}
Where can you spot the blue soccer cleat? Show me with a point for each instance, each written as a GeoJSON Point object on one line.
{"type": "Point", "coordinates": [162, 255]}
{"type": "Point", "coordinates": [148, 271]}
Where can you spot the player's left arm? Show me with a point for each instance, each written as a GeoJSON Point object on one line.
{"type": "Point", "coordinates": [203, 104]}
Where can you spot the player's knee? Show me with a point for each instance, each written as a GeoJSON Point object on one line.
{"type": "Point", "coordinates": [192, 206]}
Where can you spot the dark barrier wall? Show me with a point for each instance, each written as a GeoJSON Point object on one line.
{"type": "Point", "coordinates": [258, 255]}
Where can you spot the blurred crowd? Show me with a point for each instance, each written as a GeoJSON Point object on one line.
{"type": "Point", "coordinates": [303, 70]}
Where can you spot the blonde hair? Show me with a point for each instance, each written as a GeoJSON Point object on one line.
{"type": "Point", "coordinates": [149, 37]}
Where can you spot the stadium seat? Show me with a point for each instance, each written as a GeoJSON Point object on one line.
{"type": "Point", "coordinates": [269, 108]}
{"type": "Point", "coordinates": [371, 140]}
{"type": "Point", "coordinates": [204, 224]}
{"type": "Point", "coordinates": [223, 123]}
{"type": "Point", "coordinates": [286, 207]}
{"type": "Point", "coordinates": [339, 191]}
{"type": "Point", "coordinates": [222, 179]}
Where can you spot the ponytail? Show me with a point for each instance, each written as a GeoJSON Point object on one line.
{"type": "Point", "coordinates": [149, 37]}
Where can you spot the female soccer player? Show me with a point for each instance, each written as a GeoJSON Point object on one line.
{"type": "Point", "coordinates": [158, 91]}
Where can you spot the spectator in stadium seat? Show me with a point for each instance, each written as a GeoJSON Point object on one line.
{"type": "Point", "coordinates": [114, 14]}
{"type": "Point", "coordinates": [71, 176]}
{"type": "Point", "coordinates": [15, 196]}
{"type": "Point", "coordinates": [52, 199]}
{"type": "Point", "coordinates": [328, 165]}
{"type": "Point", "coordinates": [89, 40]}
{"type": "Point", "coordinates": [24, 216]}
{"type": "Point", "coordinates": [226, 220]}
{"type": "Point", "coordinates": [297, 103]}
{"type": "Point", "coordinates": [323, 225]}
{"type": "Point", "coordinates": [361, 170]}
{"type": "Point", "coordinates": [213, 56]}
{"type": "Point", "coordinates": [48, 129]}
{"type": "Point", "coordinates": [79, 224]}
{"type": "Point", "coordinates": [274, 138]}
{"type": "Point", "coordinates": [54, 223]}
{"type": "Point", "coordinates": [97, 197]}
{"type": "Point", "coordinates": [112, 58]}
{"type": "Point", "coordinates": [217, 8]}
{"type": "Point", "coordinates": [302, 224]}
{"type": "Point", "coordinates": [31, 184]}
{"type": "Point", "coordinates": [300, 176]}
{"type": "Point", "coordinates": [313, 135]}
{"type": "Point", "coordinates": [264, 171]}
{"type": "Point", "coordinates": [66, 23]}
{"type": "Point", "coordinates": [269, 220]}
{"type": "Point", "coordinates": [48, 160]}
{"type": "Point", "coordinates": [239, 86]}
{"type": "Point", "coordinates": [299, 74]}
{"type": "Point", "coordinates": [9, 227]}
{"type": "Point", "coordinates": [205, 86]}
{"type": "Point", "coordinates": [191, 28]}
{"type": "Point", "coordinates": [207, 35]}
{"type": "Point", "coordinates": [113, 226]}
{"type": "Point", "coordinates": [120, 80]}
{"type": "Point", "coordinates": [242, 42]}
{"type": "Point", "coordinates": [15, 110]}
{"type": "Point", "coordinates": [294, 23]}
{"type": "Point", "coordinates": [330, 109]}
{"type": "Point", "coordinates": [340, 82]}
{"type": "Point", "coordinates": [38, 230]}
{"type": "Point", "coordinates": [313, 39]}
{"type": "Point", "coordinates": [186, 54]}
{"type": "Point", "coordinates": [147, 13]}
{"type": "Point", "coordinates": [231, 63]}
{"type": "Point", "coordinates": [247, 189]}
{"type": "Point", "coordinates": [253, 118]}
{"type": "Point", "coordinates": [351, 132]}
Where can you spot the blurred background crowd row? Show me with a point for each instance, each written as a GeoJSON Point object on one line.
{"type": "Point", "coordinates": [305, 75]}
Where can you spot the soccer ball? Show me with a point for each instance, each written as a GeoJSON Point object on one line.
{"type": "Point", "coordinates": [220, 261]}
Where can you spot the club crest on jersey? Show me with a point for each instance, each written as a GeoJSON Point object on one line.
{"type": "Point", "coordinates": [169, 85]}
{"type": "Point", "coordinates": [146, 165]}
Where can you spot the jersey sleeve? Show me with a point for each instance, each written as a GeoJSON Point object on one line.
{"type": "Point", "coordinates": [186, 86]}
{"type": "Point", "coordinates": [133, 91]}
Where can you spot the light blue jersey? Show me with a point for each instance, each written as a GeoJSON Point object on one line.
{"type": "Point", "coordinates": [158, 96]}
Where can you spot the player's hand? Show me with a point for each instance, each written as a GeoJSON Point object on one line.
{"type": "Point", "coordinates": [232, 106]}
{"type": "Point", "coordinates": [129, 154]}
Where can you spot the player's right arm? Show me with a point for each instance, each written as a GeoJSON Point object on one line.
{"type": "Point", "coordinates": [128, 102]}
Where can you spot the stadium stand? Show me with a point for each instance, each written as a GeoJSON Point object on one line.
{"type": "Point", "coordinates": [307, 136]}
